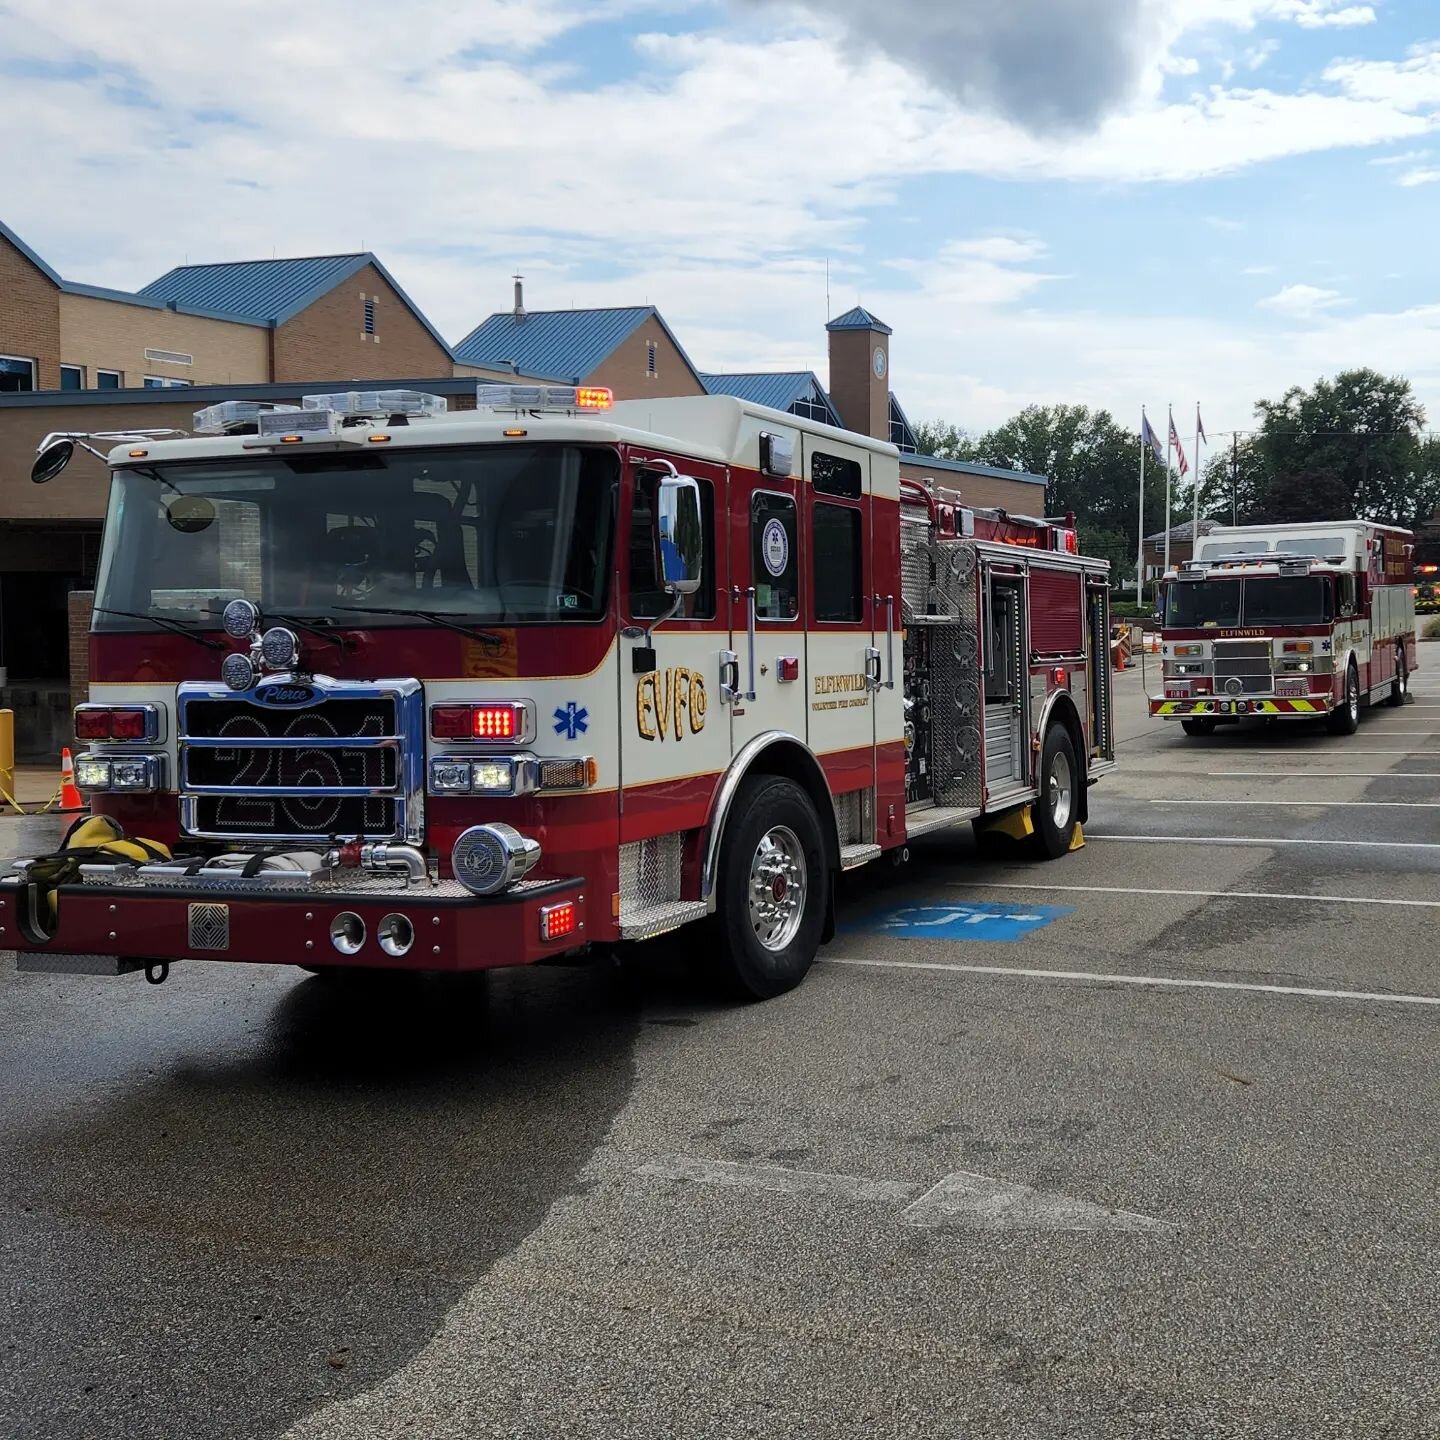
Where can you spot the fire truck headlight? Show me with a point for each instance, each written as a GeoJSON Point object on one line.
{"type": "Point", "coordinates": [138, 774]}
{"type": "Point", "coordinates": [493, 777]}
{"type": "Point", "coordinates": [449, 777]}
{"type": "Point", "coordinates": [91, 773]}
{"type": "Point", "coordinates": [489, 858]}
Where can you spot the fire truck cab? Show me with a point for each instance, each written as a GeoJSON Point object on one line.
{"type": "Point", "coordinates": [1288, 622]}
{"type": "Point", "coordinates": [388, 686]}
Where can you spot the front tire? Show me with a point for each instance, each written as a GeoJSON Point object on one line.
{"type": "Point", "coordinates": [1400, 686]}
{"type": "Point", "coordinates": [1057, 809]}
{"type": "Point", "coordinates": [772, 890]}
{"type": "Point", "coordinates": [1198, 727]}
{"type": "Point", "coordinates": [1345, 718]}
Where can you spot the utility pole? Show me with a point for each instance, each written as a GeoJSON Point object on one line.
{"type": "Point", "coordinates": [1234, 476]}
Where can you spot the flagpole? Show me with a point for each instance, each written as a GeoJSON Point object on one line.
{"type": "Point", "coordinates": [1199, 471]}
{"type": "Point", "coordinates": [1140, 550]}
{"type": "Point", "coordinates": [1169, 467]}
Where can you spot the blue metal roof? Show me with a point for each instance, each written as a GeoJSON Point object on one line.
{"type": "Point", "coordinates": [859, 319]}
{"type": "Point", "coordinates": [779, 390]}
{"type": "Point", "coordinates": [969, 467]}
{"type": "Point", "coordinates": [561, 344]}
{"type": "Point", "coordinates": [261, 290]}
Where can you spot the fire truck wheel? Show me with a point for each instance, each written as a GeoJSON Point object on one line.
{"type": "Point", "coordinates": [1198, 727]}
{"type": "Point", "coordinates": [1345, 717]}
{"type": "Point", "coordinates": [1400, 687]}
{"type": "Point", "coordinates": [771, 891]}
{"type": "Point", "coordinates": [1060, 779]}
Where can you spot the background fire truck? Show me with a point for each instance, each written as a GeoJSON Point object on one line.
{"type": "Point", "coordinates": [1288, 622]}
{"type": "Point", "coordinates": [399, 688]}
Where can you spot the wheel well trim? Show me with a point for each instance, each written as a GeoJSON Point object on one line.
{"type": "Point", "coordinates": [729, 787]}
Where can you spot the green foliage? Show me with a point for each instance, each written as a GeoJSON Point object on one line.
{"type": "Point", "coordinates": [945, 442]}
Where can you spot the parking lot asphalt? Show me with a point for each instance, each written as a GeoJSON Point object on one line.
{"type": "Point", "coordinates": [1137, 1143]}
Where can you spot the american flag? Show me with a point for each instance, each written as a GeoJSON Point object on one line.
{"type": "Point", "coordinates": [1179, 448]}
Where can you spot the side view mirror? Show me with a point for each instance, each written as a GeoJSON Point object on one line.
{"type": "Point", "coordinates": [679, 535]}
{"type": "Point", "coordinates": [51, 461]}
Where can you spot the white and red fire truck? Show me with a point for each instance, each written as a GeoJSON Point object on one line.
{"type": "Point", "coordinates": [1288, 622]}
{"type": "Point", "coordinates": [387, 686]}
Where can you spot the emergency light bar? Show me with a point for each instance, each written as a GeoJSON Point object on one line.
{"type": "Point", "coordinates": [372, 404]}
{"type": "Point", "coordinates": [235, 417]}
{"type": "Point", "coordinates": [564, 398]}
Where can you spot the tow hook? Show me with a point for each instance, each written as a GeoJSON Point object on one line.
{"type": "Point", "coordinates": [157, 973]}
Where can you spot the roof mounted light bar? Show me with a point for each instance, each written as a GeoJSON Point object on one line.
{"type": "Point", "coordinates": [564, 399]}
{"type": "Point", "coordinates": [237, 417]}
{"type": "Point", "coordinates": [377, 404]}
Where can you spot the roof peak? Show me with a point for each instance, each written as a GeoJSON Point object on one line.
{"type": "Point", "coordinates": [859, 318]}
{"type": "Point", "coordinates": [274, 260]}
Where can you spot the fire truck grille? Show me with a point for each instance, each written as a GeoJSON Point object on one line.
{"type": "Point", "coordinates": [1243, 668]}
{"type": "Point", "coordinates": [342, 765]}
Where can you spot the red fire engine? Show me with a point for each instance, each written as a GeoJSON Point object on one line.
{"type": "Point", "coordinates": [383, 686]}
{"type": "Point", "coordinates": [1288, 622]}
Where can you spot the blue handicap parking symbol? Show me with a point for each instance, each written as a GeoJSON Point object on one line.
{"type": "Point", "coordinates": [969, 920]}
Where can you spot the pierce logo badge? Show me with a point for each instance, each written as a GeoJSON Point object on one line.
{"type": "Point", "coordinates": [286, 695]}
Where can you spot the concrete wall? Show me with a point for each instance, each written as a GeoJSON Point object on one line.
{"type": "Point", "coordinates": [626, 369]}
{"type": "Point", "coordinates": [110, 335]}
{"type": "Point", "coordinates": [328, 340]}
{"type": "Point", "coordinates": [29, 315]}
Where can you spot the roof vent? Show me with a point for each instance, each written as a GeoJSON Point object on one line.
{"type": "Point", "coordinates": [519, 297]}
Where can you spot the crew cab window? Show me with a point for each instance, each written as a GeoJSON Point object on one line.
{"type": "Point", "coordinates": [647, 599]}
{"type": "Point", "coordinates": [839, 580]}
{"type": "Point", "coordinates": [774, 556]}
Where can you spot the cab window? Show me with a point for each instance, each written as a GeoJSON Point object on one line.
{"type": "Point", "coordinates": [774, 556]}
{"type": "Point", "coordinates": [647, 598]}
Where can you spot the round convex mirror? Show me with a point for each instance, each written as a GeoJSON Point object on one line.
{"type": "Point", "coordinates": [190, 514]}
{"type": "Point", "coordinates": [51, 461]}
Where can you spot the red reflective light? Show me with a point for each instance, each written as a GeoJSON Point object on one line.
{"type": "Point", "coordinates": [557, 920]}
{"type": "Point", "coordinates": [118, 724]}
{"type": "Point", "coordinates": [475, 722]}
{"type": "Point", "coordinates": [1061, 675]}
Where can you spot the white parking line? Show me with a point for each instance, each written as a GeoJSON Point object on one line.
{"type": "Point", "coordinates": [1194, 894]}
{"type": "Point", "coordinates": [1324, 774]}
{"type": "Point", "coordinates": [1319, 804]}
{"type": "Point", "coordinates": [960, 1200]}
{"type": "Point", "coordinates": [1340, 752]}
{"type": "Point", "coordinates": [1260, 840]}
{"type": "Point", "coordinates": [1159, 981]}
{"type": "Point", "coordinates": [779, 1179]}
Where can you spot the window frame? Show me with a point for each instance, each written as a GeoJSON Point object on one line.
{"type": "Point", "coordinates": [165, 382]}
{"type": "Point", "coordinates": [34, 372]}
{"type": "Point", "coordinates": [710, 580]}
{"type": "Point", "coordinates": [78, 371]}
{"type": "Point", "coordinates": [798, 617]}
{"type": "Point", "coordinates": [118, 375]}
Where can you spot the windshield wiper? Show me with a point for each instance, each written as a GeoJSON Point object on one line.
{"type": "Point", "coordinates": [434, 617]}
{"type": "Point", "coordinates": [175, 627]}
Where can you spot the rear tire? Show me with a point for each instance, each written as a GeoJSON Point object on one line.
{"type": "Point", "coordinates": [1058, 807]}
{"type": "Point", "coordinates": [1198, 727]}
{"type": "Point", "coordinates": [1400, 686]}
{"type": "Point", "coordinates": [772, 891]}
{"type": "Point", "coordinates": [1345, 718]}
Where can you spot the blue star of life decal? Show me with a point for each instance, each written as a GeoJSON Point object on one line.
{"type": "Point", "coordinates": [571, 720]}
{"type": "Point", "coordinates": [1324, 647]}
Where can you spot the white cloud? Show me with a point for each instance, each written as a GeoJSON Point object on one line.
{"type": "Point", "coordinates": [1301, 302]}
{"type": "Point", "coordinates": [1423, 176]}
{"type": "Point", "coordinates": [1405, 157]}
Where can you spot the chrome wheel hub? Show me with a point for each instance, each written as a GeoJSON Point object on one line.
{"type": "Point", "coordinates": [777, 887]}
{"type": "Point", "coordinates": [1062, 791]}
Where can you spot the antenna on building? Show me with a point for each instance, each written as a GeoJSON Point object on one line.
{"type": "Point", "coordinates": [519, 296]}
{"type": "Point", "coordinates": [828, 311]}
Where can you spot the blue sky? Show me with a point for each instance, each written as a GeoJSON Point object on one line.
{"type": "Point", "coordinates": [1108, 201]}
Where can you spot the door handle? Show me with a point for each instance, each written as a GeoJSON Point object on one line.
{"type": "Point", "coordinates": [729, 677]}
{"type": "Point", "coordinates": [872, 668]}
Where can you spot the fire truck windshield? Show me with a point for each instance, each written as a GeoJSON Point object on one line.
{"type": "Point", "coordinates": [518, 535]}
{"type": "Point", "coordinates": [1258, 600]}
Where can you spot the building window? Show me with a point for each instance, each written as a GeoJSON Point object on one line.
{"type": "Point", "coordinates": [370, 315]}
{"type": "Point", "coordinates": [165, 382]}
{"type": "Point", "coordinates": [814, 406]}
{"type": "Point", "coordinates": [72, 377]}
{"type": "Point", "coordinates": [839, 583]}
{"type": "Point", "coordinates": [652, 359]}
{"type": "Point", "coordinates": [107, 379]}
{"type": "Point", "coordinates": [16, 374]}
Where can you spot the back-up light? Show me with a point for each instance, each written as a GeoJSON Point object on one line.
{"type": "Point", "coordinates": [478, 722]}
{"type": "Point", "coordinates": [118, 722]}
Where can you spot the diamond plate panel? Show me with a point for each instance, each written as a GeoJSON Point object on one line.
{"type": "Point", "coordinates": [649, 874]}
{"type": "Point", "coordinates": [209, 927]}
{"type": "Point", "coordinates": [956, 734]}
{"type": "Point", "coordinates": [854, 817]}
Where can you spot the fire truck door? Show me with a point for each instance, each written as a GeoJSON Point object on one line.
{"type": "Point", "coordinates": [1005, 687]}
{"type": "Point", "coordinates": [845, 660]}
{"type": "Point", "coordinates": [674, 730]}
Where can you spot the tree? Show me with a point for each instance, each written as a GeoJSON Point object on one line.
{"type": "Point", "coordinates": [944, 441]}
{"type": "Point", "coordinates": [1350, 446]}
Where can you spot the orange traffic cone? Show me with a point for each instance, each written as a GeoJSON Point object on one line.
{"type": "Point", "coordinates": [71, 799]}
